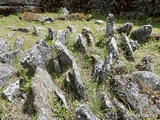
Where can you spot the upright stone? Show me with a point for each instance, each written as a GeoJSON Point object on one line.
{"type": "Point", "coordinates": [110, 25]}
{"type": "Point", "coordinates": [67, 34]}
{"type": "Point", "coordinates": [142, 34]}
{"type": "Point", "coordinates": [71, 28]}
{"type": "Point", "coordinates": [112, 48]}
{"type": "Point", "coordinates": [61, 37]}
{"type": "Point", "coordinates": [51, 34]}
{"type": "Point", "coordinates": [80, 43]}
{"type": "Point", "coordinates": [4, 45]}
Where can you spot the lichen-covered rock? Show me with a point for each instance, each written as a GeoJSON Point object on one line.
{"type": "Point", "coordinates": [80, 43]}
{"type": "Point", "coordinates": [110, 25]}
{"type": "Point", "coordinates": [71, 28]}
{"type": "Point", "coordinates": [42, 88]}
{"type": "Point", "coordinates": [134, 45]}
{"type": "Point", "coordinates": [11, 91]}
{"type": "Point", "coordinates": [37, 56]}
{"type": "Point", "coordinates": [84, 113]}
{"type": "Point", "coordinates": [86, 31]}
{"type": "Point", "coordinates": [19, 43]}
{"type": "Point", "coordinates": [127, 48]}
{"type": "Point", "coordinates": [125, 28]}
{"type": "Point", "coordinates": [105, 68]}
{"type": "Point", "coordinates": [141, 91]}
{"type": "Point", "coordinates": [147, 64]}
{"type": "Point", "coordinates": [113, 48]}
{"type": "Point", "coordinates": [67, 34]}
{"type": "Point", "coordinates": [57, 66]}
{"type": "Point", "coordinates": [142, 34]}
{"type": "Point", "coordinates": [6, 71]}
{"type": "Point", "coordinates": [61, 37]}
{"type": "Point", "coordinates": [4, 45]}
{"type": "Point", "coordinates": [10, 57]}
{"type": "Point", "coordinates": [67, 61]}
{"type": "Point", "coordinates": [51, 34]}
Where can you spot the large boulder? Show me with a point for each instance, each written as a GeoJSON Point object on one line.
{"type": "Point", "coordinates": [142, 34]}
{"type": "Point", "coordinates": [42, 87]}
{"type": "Point", "coordinates": [141, 91]}
{"type": "Point", "coordinates": [6, 71]}
{"type": "Point", "coordinates": [37, 56]}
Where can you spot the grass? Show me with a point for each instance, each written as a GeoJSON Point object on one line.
{"type": "Point", "coordinates": [85, 68]}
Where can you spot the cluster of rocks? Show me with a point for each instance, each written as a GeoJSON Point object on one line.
{"type": "Point", "coordinates": [130, 91]}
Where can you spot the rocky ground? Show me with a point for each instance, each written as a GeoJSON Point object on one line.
{"type": "Point", "coordinates": [83, 70]}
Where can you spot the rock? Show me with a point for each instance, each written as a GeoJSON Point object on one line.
{"type": "Point", "coordinates": [112, 48]}
{"type": "Point", "coordinates": [67, 34]}
{"type": "Point", "coordinates": [57, 66]}
{"type": "Point", "coordinates": [10, 35]}
{"type": "Point", "coordinates": [101, 29]}
{"type": "Point", "coordinates": [61, 37]}
{"type": "Point", "coordinates": [4, 46]}
{"type": "Point", "coordinates": [37, 56]}
{"type": "Point", "coordinates": [105, 68]}
{"type": "Point", "coordinates": [46, 20]}
{"type": "Point", "coordinates": [117, 66]}
{"type": "Point", "coordinates": [127, 48]}
{"type": "Point", "coordinates": [134, 45]}
{"type": "Point", "coordinates": [68, 61]}
{"type": "Point", "coordinates": [10, 57]}
{"type": "Point", "coordinates": [142, 34]}
{"type": "Point", "coordinates": [99, 22]}
{"type": "Point", "coordinates": [110, 25]}
{"type": "Point", "coordinates": [140, 90]}
{"type": "Point", "coordinates": [125, 28]}
{"type": "Point", "coordinates": [51, 34]}
{"type": "Point", "coordinates": [86, 32]}
{"type": "Point", "coordinates": [97, 69]}
{"type": "Point", "coordinates": [6, 71]}
{"type": "Point", "coordinates": [24, 30]}
{"type": "Point", "coordinates": [35, 31]}
{"type": "Point", "coordinates": [42, 88]}
{"type": "Point", "coordinates": [80, 43]}
{"type": "Point", "coordinates": [147, 64]}
{"type": "Point", "coordinates": [84, 113]}
{"type": "Point", "coordinates": [59, 94]}
{"type": "Point", "coordinates": [11, 91]}
{"type": "Point", "coordinates": [19, 43]}
{"type": "Point", "coordinates": [71, 28]}
{"type": "Point", "coordinates": [65, 11]}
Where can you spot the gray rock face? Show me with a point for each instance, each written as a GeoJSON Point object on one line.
{"type": "Point", "coordinates": [6, 71]}
{"type": "Point", "coordinates": [51, 34]}
{"type": "Point", "coordinates": [37, 56]}
{"type": "Point", "coordinates": [19, 43]}
{"type": "Point", "coordinates": [59, 94]}
{"type": "Point", "coordinates": [4, 46]}
{"type": "Point", "coordinates": [142, 34]}
{"type": "Point", "coordinates": [10, 57]}
{"type": "Point", "coordinates": [87, 33]}
{"type": "Point", "coordinates": [71, 28]}
{"type": "Point", "coordinates": [11, 91]}
{"type": "Point", "coordinates": [80, 43]}
{"type": "Point", "coordinates": [113, 48]}
{"type": "Point", "coordinates": [61, 37]}
{"type": "Point", "coordinates": [67, 34]}
{"type": "Point", "coordinates": [84, 113]}
{"type": "Point", "coordinates": [67, 61]}
{"type": "Point", "coordinates": [105, 68]}
{"type": "Point", "coordinates": [110, 25]}
{"type": "Point", "coordinates": [147, 64]}
{"type": "Point", "coordinates": [127, 48]}
{"type": "Point", "coordinates": [42, 87]}
{"type": "Point", "coordinates": [97, 69]}
{"type": "Point", "coordinates": [140, 90]}
{"type": "Point", "coordinates": [125, 28]}
{"type": "Point", "coordinates": [134, 45]}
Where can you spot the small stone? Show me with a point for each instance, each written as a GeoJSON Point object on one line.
{"type": "Point", "coordinates": [99, 22]}
{"type": "Point", "coordinates": [71, 28]}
